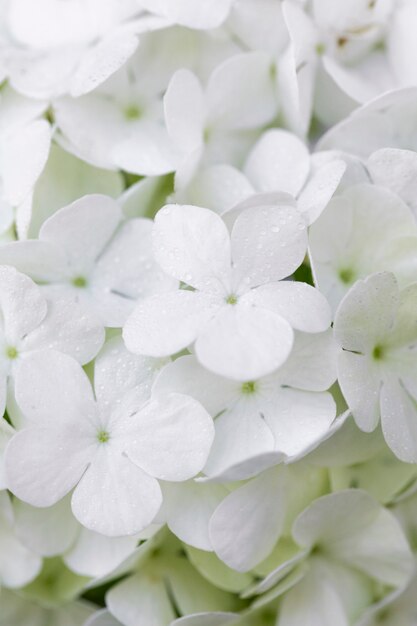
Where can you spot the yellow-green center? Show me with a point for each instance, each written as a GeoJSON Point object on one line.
{"type": "Point", "coordinates": [346, 275]}
{"type": "Point", "coordinates": [133, 112]}
{"type": "Point", "coordinates": [79, 281]}
{"type": "Point", "coordinates": [232, 299]}
{"type": "Point", "coordinates": [103, 436]}
{"type": "Point", "coordinates": [11, 352]}
{"type": "Point", "coordinates": [378, 353]}
{"type": "Point", "coordinates": [249, 387]}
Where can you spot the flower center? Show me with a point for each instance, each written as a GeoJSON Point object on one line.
{"type": "Point", "coordinates": [133, 112]}
{"type": "Point", "coordinates": [346, 275]}
{"type": "Point", "coordinates": [11, 352]}
{"type": "Point", "coordinates": [378, 353]}
{"type": "Point", "coordinates": [79, 281]}
{"type": "Point", "coordinates": [249, 387]}
{"type": "Point", "coordinates": [231, 299]}
{"type": "Point", "coordinates": [103, 436]}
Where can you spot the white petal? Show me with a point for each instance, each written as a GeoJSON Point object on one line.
{"type": "Point", "coordinates": [278, 161]}
{"type": "Point", "coordinates": [205, 14]}
{"type": "Point", "coordinates": [219, 187]}
{"type": "Point", "coordinates": [21, 303]}
{"type": "Point", "coordinates": [47, 531]}
{"type": "Point", "coordinates": [248, 523]}
{"type": "Point", "coordinates": [240, 92]}
{"type": "Point", "coordinates": [356, 529]}
{"type": "Point", "coordinates": [115, 497]}
{"type": "Point", "coordinates": [139, 601]}
{"type": "Point", "coordinates": [6, 433]}
{"type": "Point", "coordinates": [127, 271]}
{"type": "Point", "coordinates": [44, 464]}
{"type": "Point", "coordinates": [69, 327]}
{"type": "Point", "coordinates": [101, 61]}
{"type": "Point", "coordinates": [23, 155]}
{"type": "Point", "coordinates": [117, 371]}
{"type": "Point", "coordinates": [366, 314]}
{"type": "Point", "coordinates": [96, 555]}
{"type": "Point", "coordinates": [192, 244]}
{"type": "Point", "coordinates": [164, 324]}
{"type": "Point", "coordinates": [171, 437]}
{"type": "Point", "coordinates": [148, 151]}
{"type": "Point", "coordinates": [299, 418]}
{"type": "Point", "coordinates": [202, 499]}
{"type": "Point", "coordinates": [244, 342]}
{"type": "Point", "coordinates": [312, 363]}
{"type": "Point", "coordinates": [360, 383]}
{"type": "Point", "coordinates": [39, 259]}
{"type": "Point", "coordinates": [184, 109]}
{"type": "Point", "coordinates": [313, 602]}
{"type": "Point", "coordinates": [303, 306]}
{"type": "Point", "coordinates": [52, 388]}
{"type": "Point", "coordinates": [397, 170]}
{"type": "Point", "coordinates": [268, 244]}
{"type": "Point", "coordinates": [318, 191]}
{"type": "Point", "coordinates": [399, 420]}
{"type": "Point", "coordinates": [82, 229]}
{"type": "Point", "coordinates": [241, 434]}
{"type": "Point", "coordinates": [102, 618]}
{"type": "Point", "coordinates": [186, 375]}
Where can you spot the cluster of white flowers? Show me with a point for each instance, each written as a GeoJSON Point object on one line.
{"type": "Point", "coordinates": [208, 313]}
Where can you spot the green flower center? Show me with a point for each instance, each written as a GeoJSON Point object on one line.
{"type": "Point", "coordinates": [249, 387]}
{"type": "Point", "coordinates": [103, 436]}
{"type": "Point", "coordinates": [11, 352]}
{"type": "Point", "coordinates": [232, 299]}
{"type": "Point", "coordinates": [79, 281]}
{"type": "Point", "coordinates": [346, 275]}
{"type": "Point", "coordinates": [133, 112]}
{"type": "Point", "coordinates": [378, 353]}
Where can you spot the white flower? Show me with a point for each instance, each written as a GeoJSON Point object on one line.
{"type": "Point", "coordinates": [85, 249]}
{"type": "Point", "coordinates": [364, 230]}
{"type": "Point", "coordinates": [33, 320]}
{"type": "Point", "coordinates": [238, 313]}
{"type": "Point", "coordinates": [112, 450]}
{"type": "Point", "coordinates": [285, 411]}
{"type": "Point", "coordinates": [350, 538]}
{"type": "Point", "coordinates": [213, 124]}
{"type": "Point", "coordinates": [375, 325]}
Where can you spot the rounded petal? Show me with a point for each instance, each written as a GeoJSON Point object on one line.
{"type": "Point", "coordinates": [126, 271]}
{"type": "Point", "coordinates": [268, 244]}
{"type": "Point", "coordinates": [165, 324]}
{"type": "Point", "coordinates": [367, 312]}
{"type": "Point", "coordinates": [399, 420]}
{"type": "Point", "coordinates": [318, 191]}
{"type": "Point", "coordinates": [397, 170]}
{"type": "Point", "coordinates": [244, 342]}
{"type": "Point", "coordinates": [170, 438]}
{"type": "Point", "coordinates": [279, 161]}
{"type": "Point", "coordinates": [298, 419]}
{"type": "Point", "coordinates": [43, 464]}
{"type": "Point", "coordinates": [51, 388]}
{"type": "Point", "coordinates": [184, 109]}
{"type": "Point", "coordinates": [115, 497]}
{"type": "Point", "coordinates": [69, 326]}
{"type": "Point", "coordinates": [247, 524]}
{"type": "Point", "coordinates": [147, 151]}
{"type": "Point", "coordinates": [303, 306]}
{"type": "Point", "coordinates": [82, 229]}
{"type": "Point", "coordinates": [41, 260]}
{"type": "Point", "coordinates": [360, 382]}
{"type": "Point", "coordinates": [219, 187]}
{"type": "Point", "coordinates": [312, 364]}
{"type": "Point", "coordinates": [192, 244]}
{"type": "Point", "coordinates": [241, 92]}
{"type": "Point", "coordinates": [140, 601]}
{"type": "Point", "coordinates": [22, 305]}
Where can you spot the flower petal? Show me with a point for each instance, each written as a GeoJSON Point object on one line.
{"type": "Point", "coordinates": [192, 244]}
{"type": "Point", "coordinates": [115, 497]}
{"type": "Point", "coordinates": [184, 109]}
{"type": "Point", "coordinates": [247, 524]}
{"type": "Point", "coordinates": [399, 420]}
{"type": "Point", "coordinates": [268, 244]}
{"type": "Point", "coordinates": [244, 342]}
{"type": "Point", "coordinates": [170, 438]}
{"type": "Point", "coordinates": [165, 324]}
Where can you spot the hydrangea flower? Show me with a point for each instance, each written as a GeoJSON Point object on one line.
{"type": "Point", "coordinates": [237, 312]}
{"type": "Point", "coordinates": [112, 449]}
